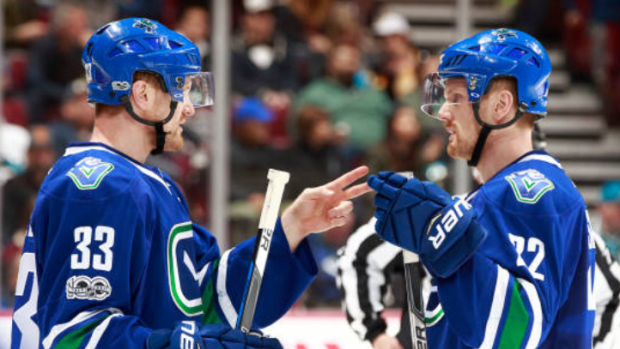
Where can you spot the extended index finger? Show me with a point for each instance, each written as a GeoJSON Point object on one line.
{"type": "Point", "coordinates": [349, 177]}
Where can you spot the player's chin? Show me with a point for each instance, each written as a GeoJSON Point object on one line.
{"type": "Point", "coordinates": [457, 152]}
{"type": "Point", "coordinates": [452, 150]}
{"type": "Point", "coordinates": [173, 145]}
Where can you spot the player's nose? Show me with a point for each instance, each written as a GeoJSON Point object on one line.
{"type": "Point", "coordinates": [188, 110]}
{"type": "Point", "coordinates": [444, 113]}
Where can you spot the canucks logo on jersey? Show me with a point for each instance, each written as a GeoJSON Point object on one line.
{"type": "Point", "coordinates": [529, 185]}
{"type": "Point", "coordinates": [179, 243]}
{"type": "Point", "coordinates": [88, 173]}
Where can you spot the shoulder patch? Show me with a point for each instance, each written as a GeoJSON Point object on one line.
{"type": "Point", "coordinates": [529, 185]}
{"type": "Point", "coordinates": [88, 173]}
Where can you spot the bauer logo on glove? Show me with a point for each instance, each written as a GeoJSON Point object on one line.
{"type": "Point", "coordinates": [447, 223]}
{"type": "Point", "coordinates": [422, 218]}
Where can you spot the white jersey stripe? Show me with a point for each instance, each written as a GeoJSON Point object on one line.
{"type": "Point", "coordinates": [541, 157]}
{"type": "Point", "coordinates": [222, 294]}
{"type": "Point", "coordinates": [98, 332]}
{"type": "Point", "coordinates": [77, 150]}
{"type": "Point", "coordinates": [81, 317]}
{"type": "Point", "coordinates": [497, 308]}
{"type": "Point", "coordinates": [432, 313]}
{"type": "Point", "coordinates": [537, 318]}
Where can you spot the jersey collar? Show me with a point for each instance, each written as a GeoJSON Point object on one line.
{"type": "Point", "coordinates": [78, 147]}
{"type": "Point", "coordinates": [538, 155]}
{"type": "Point", "coordinates": [534, 155]}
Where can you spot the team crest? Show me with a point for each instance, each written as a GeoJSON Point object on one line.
{"type": "Point", "coordinates": [88, 173]}
{"type": "Point", "coordinates": [504, 33]}
{"type": "Point", "coordinates": [145, 24]}
{"type": "Point", "coordinates": [529, 185]}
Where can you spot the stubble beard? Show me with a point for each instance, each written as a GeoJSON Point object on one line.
{"type": "Point", "coordinates": [457, 149]}
{"type": "Point", "coordinates": [174, 141]}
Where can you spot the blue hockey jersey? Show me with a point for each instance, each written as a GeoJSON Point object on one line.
{"type": "Point", "coordinates": [529, 284]}
{"type": "Point", "coordinates": [111, 255]}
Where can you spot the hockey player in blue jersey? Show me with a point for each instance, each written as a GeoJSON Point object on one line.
{"type": "Point", "coordinates": [512, 263]}
{"type": "Point", "coordinates": [111, 258]}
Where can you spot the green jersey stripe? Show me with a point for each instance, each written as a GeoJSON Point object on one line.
{"type": "Point", "coordinates": [209, 314]}
{"type": "Point", "coordinates": [433, 320]}
{"type": "Point", "coordinates": [516, 322]}
{"type": "Point", "coordinates": [73, 339]}
{"type": "Point", "coordinates": [81, 317]}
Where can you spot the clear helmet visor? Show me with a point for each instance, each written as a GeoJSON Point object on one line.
{"type": "Point", "coordinates": [439, 92]}
{"type": "Point", "coordinates": [201, 89]}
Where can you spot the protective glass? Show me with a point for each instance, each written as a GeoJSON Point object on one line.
{"type": "Point", "coordinates": [201, 89]}
{"type": "Point", "coordinates": [436, 95]}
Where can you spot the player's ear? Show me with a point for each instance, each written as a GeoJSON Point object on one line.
{"type": "Point", "coordinates": [502, 109]}
{"type": "Point", "coordinates": [140, 95]}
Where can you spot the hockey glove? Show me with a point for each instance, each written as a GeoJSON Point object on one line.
{"type": "Point", "coordinates": [223, 337]}
{"type": "Point", "coordinates": [422, 218]}
{"type": "Point", "coordinates": [185, 335]}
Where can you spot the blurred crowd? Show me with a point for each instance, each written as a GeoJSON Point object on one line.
{"type": "Point", "coordinates": [589, 32]}
{"type": "Point", "coordinates": [319, 87]}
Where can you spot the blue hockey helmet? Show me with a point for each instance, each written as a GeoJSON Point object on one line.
{"type": "Point", "coordinates": [489, 54]}
{"type": "Point", "coordinates": [119, 49]}
{"type": "Point", "coordinates": [480, 59]}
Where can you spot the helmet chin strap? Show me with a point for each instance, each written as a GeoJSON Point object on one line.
{"type": "Point", "coordinates": [160, 135]}
{"type": "Point", "coordinates": [484, 132]}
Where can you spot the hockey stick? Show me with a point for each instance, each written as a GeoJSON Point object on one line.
{"type": "Point", "coordinates": [413, 282]}
{"type": "Point", "coordinates": [266, 226]}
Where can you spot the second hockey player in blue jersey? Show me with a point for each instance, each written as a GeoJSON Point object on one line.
{"type": "Point", "coordinates": [111, 258]}
{"type": "Point", "coordinates": [513, 262]}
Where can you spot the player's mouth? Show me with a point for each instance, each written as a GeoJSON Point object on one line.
{"type": "Point", "coordinates": [452, 132]}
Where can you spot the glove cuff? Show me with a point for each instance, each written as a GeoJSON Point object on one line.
{"type": "Point", "coordinates": [457, 254]}
{"type": "Point", "coordinates": [451, 239]}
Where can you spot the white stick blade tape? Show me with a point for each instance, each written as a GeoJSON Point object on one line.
{"type": "Point", "coordinates": [410, 257]}
{"type": "Point", "coordinates": [273, 197]}
{"type": "Point", "coordinates": [278, 176]}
